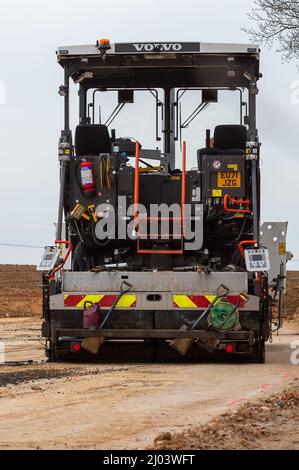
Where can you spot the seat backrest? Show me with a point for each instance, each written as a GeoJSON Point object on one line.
{"type": "Point", "coordinates": [92, 139]}
{"type": "Point", "coordinates": [228, 137]}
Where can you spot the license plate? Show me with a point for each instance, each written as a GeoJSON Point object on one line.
{"type": "Point", "coordinates": [229, 179]}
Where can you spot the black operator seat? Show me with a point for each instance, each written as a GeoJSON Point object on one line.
{"type": "Point", "coordinates": [228, 140]}
{"type": "Point", "coordinates": [92, 139]}
{"type": "Point", "coordinates": [231, 138]}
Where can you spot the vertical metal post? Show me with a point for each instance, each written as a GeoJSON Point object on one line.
{"type": "Point", "coordinates": [241, 106]}
{"type": "Point", "coordinates": [66, 138]}
{"type": "Point", "coordinates": [66, 102]}
{"type": "Point", "coordinates": [82, 104]}
{"type": "Point", "coordinates": [169, 134]}
{"type": "Point", "coordinates": [255, 202]}
{"type": "Point", "coordinates": [61, 201]}
{"type": "Point", "coordinates": [208, 138]}
{"type": "Point", "coordinates": [281, 289]}
{"type": "Point", "coordinates": [46, 295]}
{"type": "Point", "coordinates": [253, 137]}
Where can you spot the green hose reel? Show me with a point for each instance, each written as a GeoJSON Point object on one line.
{"type": "Point", "coordinates": [224, 316]}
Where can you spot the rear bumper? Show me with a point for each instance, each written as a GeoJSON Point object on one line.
{"type": "Point", "coordinates": [141, 320]}
{"type": "Point", "coordinates": [123, 345]}
{"type": "Point", "coordinates": [161, 291]}
{"type": "Point", "coordinates": [156, 300]}
{"type": "Point", "coordinates": [113, 334]}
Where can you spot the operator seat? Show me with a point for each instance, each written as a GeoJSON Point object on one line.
{"type": "Point", "coordinates": [228, 140]}
{"type": "Point", "coordinates": [92, 139]}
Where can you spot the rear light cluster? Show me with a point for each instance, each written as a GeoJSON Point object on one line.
{"type": "Point", "coordinates": [229, 348]}
{"type": "Point", "coordinates": [76, 347]}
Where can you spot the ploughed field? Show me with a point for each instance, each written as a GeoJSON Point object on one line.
{"type": "Point", "coordinates": [20, 291]}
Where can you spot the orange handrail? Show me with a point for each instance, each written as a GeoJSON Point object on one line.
{"type": "Point", "coordinates": [70, 249]}
{"type": "Point", "coordinates": [246, 242]}
{"type": "Point", "coordinates": [228, 199]}
{"type": "Point", "coordinates": [183, 186]}
{"type": "Point", "coordinates": [160, 252]}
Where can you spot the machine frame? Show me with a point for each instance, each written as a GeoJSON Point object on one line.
{"type": "Point", "coordinates": [159, 300]}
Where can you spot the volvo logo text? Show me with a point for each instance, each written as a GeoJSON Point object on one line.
{"type": "Point", "coordinates": [158, 47]}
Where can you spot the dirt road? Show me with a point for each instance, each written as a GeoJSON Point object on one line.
{"type": "Point", "coordinates": [86, 406]}
{"type": "Point", "coordinates": [90, 406]}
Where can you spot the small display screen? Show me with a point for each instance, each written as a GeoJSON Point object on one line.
{"type": "Point", "coordinates": [256, 258]}
{"type": "Point", "coordinates": [48, 257]}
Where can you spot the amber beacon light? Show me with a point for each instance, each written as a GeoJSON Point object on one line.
{"type": "Point", "coordinates": [103, 44]}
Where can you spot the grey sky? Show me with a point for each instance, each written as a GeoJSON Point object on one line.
{"type": "Point", "coordinates": [31, 118]}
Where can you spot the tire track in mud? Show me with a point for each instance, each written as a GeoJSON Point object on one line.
{"type": "Point", "coordinates": [20, 377]}
{"type": "Point", "coordinates": [32, 372]}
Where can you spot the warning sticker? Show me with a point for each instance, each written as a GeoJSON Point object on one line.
{"type": "Point", "coordinates": [282, 249]}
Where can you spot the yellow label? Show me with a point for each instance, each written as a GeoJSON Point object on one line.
{"type": "Point", "coordinates": [67, 151]}
{"type": "Point", "coordinates": [282, 249]}
{"type": "Point", "coordinates": [217, 192]}
{"type": "Point", "coordinates": [248, 150]}
{"type": "Point", "coordinates": [233, 167]}
{"type": "Point", "coordinates": [175, 178]}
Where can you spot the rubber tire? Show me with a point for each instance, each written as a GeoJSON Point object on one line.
{"type": "Point", "coordinates": [259, 352]}
{"type": "Point", "coordinates": [52, 354]}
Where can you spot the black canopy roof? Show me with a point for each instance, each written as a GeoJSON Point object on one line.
{"type": "Point", "coordinates": [162, 65]}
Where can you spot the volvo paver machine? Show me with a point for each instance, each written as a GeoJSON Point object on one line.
{"type": "Point", "coordinates": [155, 259]}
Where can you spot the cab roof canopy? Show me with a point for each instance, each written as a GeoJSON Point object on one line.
{"type": "Point", "coordinates": [161, 65]}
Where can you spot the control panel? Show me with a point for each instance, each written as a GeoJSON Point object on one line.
{"type": "Point", "coordinates": [257, 260]}
{"type": "Point", "coordinates": [49, 258]}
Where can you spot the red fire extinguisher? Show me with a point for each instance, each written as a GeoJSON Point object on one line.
{"type": "Point", "coordinates": [87, 179]}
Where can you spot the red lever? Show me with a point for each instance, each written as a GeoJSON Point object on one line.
{"type": "Point", "coordinates": [228, 199]}
{"type": "Point", "coordinates": [246, 242]}
{"type": "Point", "coordinates": [70, 245]}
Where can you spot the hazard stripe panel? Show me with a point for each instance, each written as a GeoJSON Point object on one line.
{"type": "Point", "coordinates": [201, 301]}
{"type": "Point", "coordinates": [72, 300]}
{"type": "Point", "coordinates": [104, 300]}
